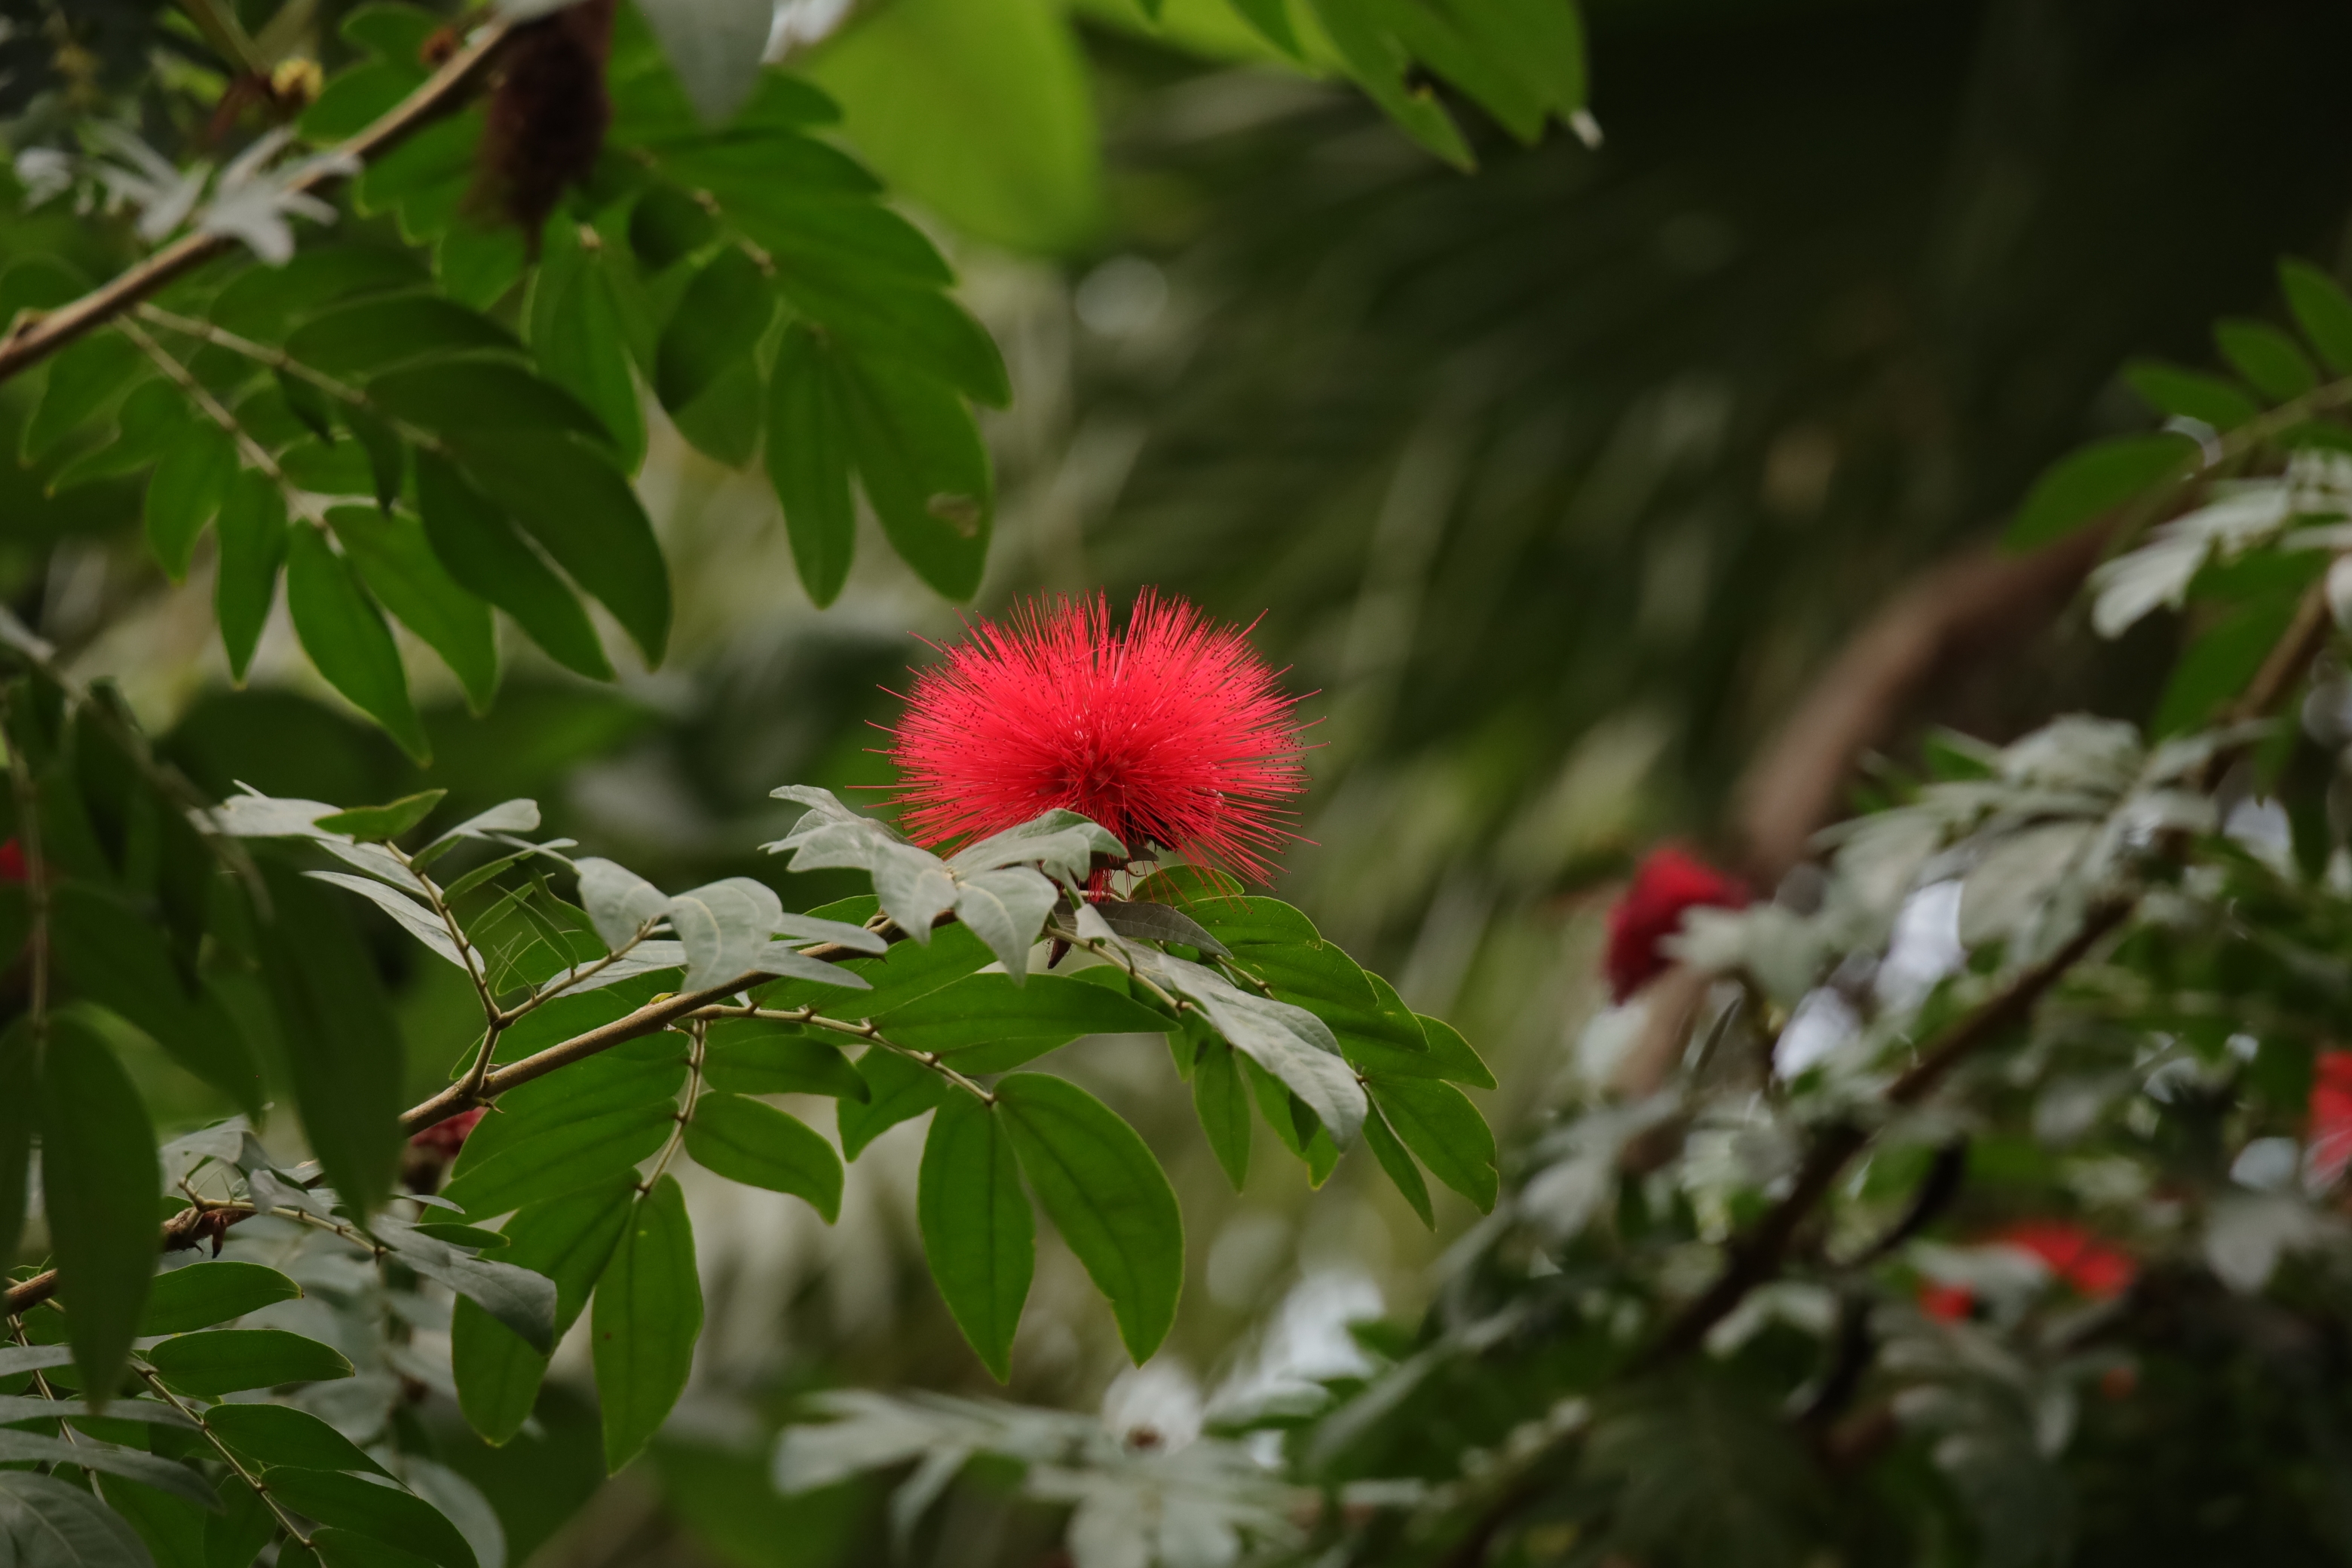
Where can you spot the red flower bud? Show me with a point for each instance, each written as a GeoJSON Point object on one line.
{"type": "Point", "coordinates": [445, 1138]}
{"type": "Point", "coordinates": [12, 863]}
{"type": "Point", "coordinates": [1669, 882]}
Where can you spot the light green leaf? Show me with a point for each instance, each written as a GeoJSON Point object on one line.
{"type": "Point", "coordinates": [978, 1234]}
{"type": "Point", "coordinates": [397, 563]}
{"type": "Point", "coordinates": [1106, 1194]}
{"type": "Point", "coordinates": [98, 1182]}
{"type": "Point", "coordinates": [648, 1314]}
{"type": "Point", "coordinates": [377, 823]}
{"type": "Point", "coordinates": [982, 112]}
{"type": "Point", "coordinates": [344, 634]}
{"type": "Point", "coordinates": [575, 334]}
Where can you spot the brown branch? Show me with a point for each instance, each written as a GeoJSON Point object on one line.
{"type": "Point", "coordinates": [35, 337]}
{"type": "Point", "coordinates": [1950, 618]}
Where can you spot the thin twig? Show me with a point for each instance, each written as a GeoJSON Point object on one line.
{"type": "Point", "coordinates": [297, 498]}
{"type": "Point", "coordinates": [35, 337]}
{"type": "Point", "coordinates": [863, 1030]}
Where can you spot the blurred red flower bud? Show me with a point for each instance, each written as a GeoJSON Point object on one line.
{"type": "Point", "coordinates": [12, 863]}
{"type": "Point", "coordinates": [1669, 882]}
{"type": "Point", "coordinates": [2329, 1132]}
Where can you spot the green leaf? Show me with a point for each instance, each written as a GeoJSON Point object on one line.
{"type": "Point", "coordinates": [273, 1434]}
{"type": "Point", "coordinates": [118, 955]}
{"type": "Point", "coordinates": [338, 1548]}
{"type": "Point", "coordinates": [1399, 1165]}
{"type": "Point", "coordinates": [568, 1239]}
{"type": "Point", "coordinates": [668, 226]}
{"type": "Point", "coordinates": [150, 418]}
{"type": "Point", "coordinates": [978, 1234]}
{"type": "Point", "coordinates": [1439, 1125]}
{"type": "Point", "coordinates": [2322, 311]}
{"type": "Point", "coordinates": [164, 1475]}
{"type": "Point", "coordinates": [380, 824]}
{"type": "Point", "coordinates": [631, 1076]}
{"type": "Point", "coordinates": [1449, 1053]}
{"type": "Point", "coordinates": [2170, 389]}
{"type": "Point", "coordinates": [919, 334]}
{"type": "Point", "coordinates": [760, 1146]}
{"type": "Point", "coordinates": [575, 334]}
{"type": "Point", "coordinates": [83, 379]}
{"type": "Point", "coordinates": [252, 546]}
{"type": "Point", "coordinates": [387, 455]}
{"type": "Point", "coordinates": [342, 1051]}
{"type": "Point", "coordinates": [899, 1089]}
{"type": "Point", "coordinates": [485, 553]}
{"type": "Point", "coordinates": [750, 1058]}
{"type": "Point", "coordinates": [522, 1301]}
{"type": "Point", "coordinates": [234, 1539]}
{"type": "Point", "coordinates": [2266, 357]}
{"type": "Point", "coordinates": [372, 1508]}
{"type": "Point", "coordinates": [648, 1314]}
{"type": "Point", "coordinates": [718, 321]}
{"type": "Point", "coordinates": [18, 1115]}
{"type": "Point", "coordinates": [922, 465]}
{"type": "Point", "coordinates": [585, 515]}
{"type": "Point", "coordinates": [910, 968]}
{"type": "Point", "coordinates": [1378, 64]}
{"type": "Point", "coordinates": [396, 563]}
{"type": "Point", "coordinates": [983, 114]}
{"type": "Point", "coordinates": [202, 1294]}
{"type": "Point", "coordinates": [345, 636]}
{"type": "Point", "coordinates": [1223, 1106]}
{"type": "Point", "coordinates": [1335, 989]}
{"type": "Point", "coordinates": [482, 399]}
{"type": "Point", "coordinates": [63, 1526]}
{"type": "Point", "coordinates": [186, 487]}
{"type": "Point", "coordinates": [1236, 922]}
{"type": "Point", "coordinates": [375, 335]}
{"type": "Point", "coordinates": [809, 462]}
{"type": "Point", "coordinates": [2095, 479]}
{"type": "Point", "coordinates": [989, 1009]}
{"type": "Point", "coordinates": [563, 1159]}
{"type": "Point", "coordinates": [1106, 1194]}
{"type": "Point", "coordinates": [261, 302]}
{"type": "Point", "coordinates": [227, 1361]}
{"type": "Point", "coordinates": [98, 1182]}
{"type": "Point", "coordinates": [172, 1527]}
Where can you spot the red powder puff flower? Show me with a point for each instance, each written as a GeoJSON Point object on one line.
{"type": "Point", "coordinates": [12, 863]}
{"type": "Point", "coordinates": [445, 1138]}
{"type": "Point", "coordinates": [2329, 1135]}
{"type": "Point", "coordinates": [1670, 881]}
{"type": "Point", "coordinates": [1172, 733]}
